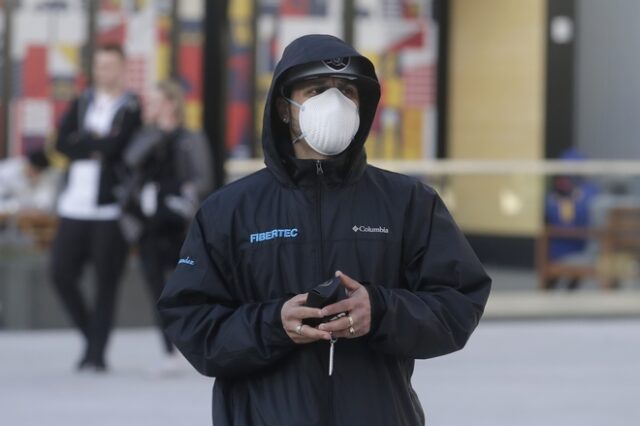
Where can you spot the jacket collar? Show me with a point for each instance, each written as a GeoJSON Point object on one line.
{"type": "Point", "coordinates": [334, 172]}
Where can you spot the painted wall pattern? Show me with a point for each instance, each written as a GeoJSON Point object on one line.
{"type": "Point", "coordinates": [400, 36]}
{"type": "Point", "coordinates": [48, 42]}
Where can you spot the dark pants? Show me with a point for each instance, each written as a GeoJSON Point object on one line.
{"type": "Point", "coordinates": [159, 254]}
{"type": "Point", "coordinates": [78, 243]}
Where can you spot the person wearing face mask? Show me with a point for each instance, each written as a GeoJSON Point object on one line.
{"type": "Point", "coordinates": [243, 303]}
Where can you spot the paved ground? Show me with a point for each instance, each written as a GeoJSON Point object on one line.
{"type": "Point", "coordinates": [511, 373]}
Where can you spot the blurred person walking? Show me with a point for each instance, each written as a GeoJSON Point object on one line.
{"type": "Point", "coordinates": [246, 298]}
{"type": "Point", "coordinates": [171, 172]}
{"type": "Point", "coordinates": [93, 134]}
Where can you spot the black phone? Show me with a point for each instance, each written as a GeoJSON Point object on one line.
{"type": "Point", "coordinates": [324, 294]}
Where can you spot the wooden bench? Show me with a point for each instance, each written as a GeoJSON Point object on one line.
{"type": "Point", "coordinates": [40, 227]}
{"type": "Point", "coordinates": [618, 238]}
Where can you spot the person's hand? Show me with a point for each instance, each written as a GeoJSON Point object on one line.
{"type": "Point", "coordinates": [292, 314]}
{"type": "Point", "coordinates": [80, 136]}
{"type": "Point", "coordinates": [357, 322]}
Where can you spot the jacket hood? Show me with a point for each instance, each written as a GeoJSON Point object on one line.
{"type": "Point", "coordinates": [276, 141]}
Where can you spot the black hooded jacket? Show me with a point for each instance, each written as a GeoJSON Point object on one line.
{"type": "Point", "coordinates": [78, 144]}
{"type": "Point", "coordinates": [286, 228]}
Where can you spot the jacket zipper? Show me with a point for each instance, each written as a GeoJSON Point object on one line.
{"type": "Point", "coordinates": [320, 174]}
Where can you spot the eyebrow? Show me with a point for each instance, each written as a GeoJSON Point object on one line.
{"type": "Point", "coordinates": [314, 83]}
{"type": "Point", "coordinates": [317, 82]}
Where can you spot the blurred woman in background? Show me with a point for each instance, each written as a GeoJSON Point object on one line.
{"type": "Point", "coordinates": [170, 173]}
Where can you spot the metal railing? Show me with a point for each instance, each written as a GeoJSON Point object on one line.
{"type": "Point", "coordinates": [237, 168]}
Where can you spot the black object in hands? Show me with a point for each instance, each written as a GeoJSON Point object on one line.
{"type": "Point", "coordinates": [325, 294]}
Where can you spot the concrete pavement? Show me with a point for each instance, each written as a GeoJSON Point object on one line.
{"type": "Point", "coordinates": [570, 372]}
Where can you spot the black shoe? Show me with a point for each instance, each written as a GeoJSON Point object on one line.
{"type": "Point", "coordinates": [573, 285]}
{"type": "Point", "coordinates": [90, 365]}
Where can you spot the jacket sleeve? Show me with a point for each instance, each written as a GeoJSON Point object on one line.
{"type": "Point", "coordinates": [142, 144]}
{"type": "Point", "coordinates": [444, 291]}
{"type": "Point", "coordinates": [77, 143]}
{"type": "Point", "coordinates": [198, 156]}
{"type": "Point", "coordinates": [111, 147]}
{"type": "Point", "coordinates": [220, 335]}
{"type": "Point", "coordinates": [70, 135]}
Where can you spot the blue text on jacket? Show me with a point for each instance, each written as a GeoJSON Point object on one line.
{"type": "Point", "coordinates": [186, 261]}
{"type": "Point", "coordinates": [270, 235]}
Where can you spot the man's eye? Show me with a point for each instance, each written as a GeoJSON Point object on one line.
{"type": "Point", "coordinates": [349, 91]}
{"type": "Point", "coordinates": [317, 90]}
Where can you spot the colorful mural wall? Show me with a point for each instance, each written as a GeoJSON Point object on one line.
{"type": "Point", "coordinates": [240, 65]}
{"type": "Point", "coordinates": [190, 51]}
{"type": "Point", "coordinates": [50, 37]}
{"type": "Point", "coordinates": [278, 24]}
{"type": "Point", "coordinates": [2, 88]}
{"type": "Point", "coordinates": [48, 42]}
{"type": "Point", "coordinates": [400, 36]}
{"type": "Point", "coordinates": [255, 56]}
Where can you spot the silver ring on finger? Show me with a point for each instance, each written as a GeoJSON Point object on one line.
{"type": "Point", "coordinates": [299, 328]}
{"type": "Point", "coordinates": [352, 332]}
{"type": "Point", "coordinates": [350, 320]}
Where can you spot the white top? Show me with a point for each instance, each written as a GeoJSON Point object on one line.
{"type": "Point", "coordinates": [19, 193]}
{"type": "Point", "coordinates": [79, 200]}
{"type": "Point", "coordinates": [100, 113]}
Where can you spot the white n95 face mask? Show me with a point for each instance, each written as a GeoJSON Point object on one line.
{"type": "Point", "coordinates": [328, 121]}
